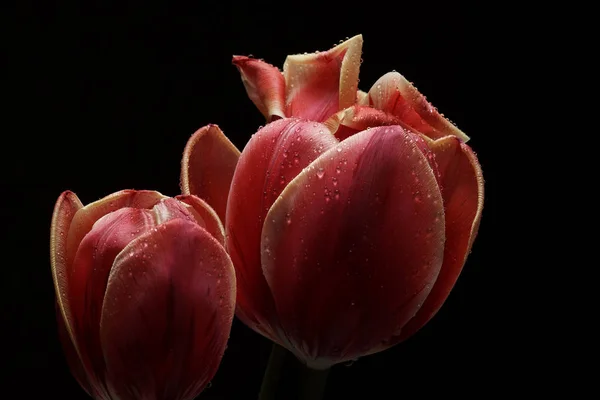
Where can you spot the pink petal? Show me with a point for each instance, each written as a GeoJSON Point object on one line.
{"type": "Point", "coordinates": [167, 313]}
{"type": "Point", "coordinates": [358, 118]}
{"type": "Point", "coordinates": [320, 84]}
{"type": "Point", "coordinates": [271, 159]}
{"type": "Point", "coordinates": [395, 95]}
{"type": "Point", "coordinates": [205, 216]}
{"type": "Point", "coordinates": [462, 190]}
{"type": "Point", "coordinates": [209, 160]}
{"type": "Point", "coordinates": [264, 84]}
{"type": "Point", "coordinates": [353, 245]}
{"type": "Point", "coordinates": [90, 270]}
{"type": "Point", "coordinates": [85, 218]}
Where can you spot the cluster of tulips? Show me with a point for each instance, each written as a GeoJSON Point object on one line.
{"type": "Point", "coordinates": [336, 233]}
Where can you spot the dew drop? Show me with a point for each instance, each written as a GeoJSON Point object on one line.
{"type": "Point", "coordinates": [320, 173]}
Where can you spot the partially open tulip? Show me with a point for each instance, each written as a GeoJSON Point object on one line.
{"type": "Point", "coordinates": [145, 293]}
{"type": "Point", "coordinates": [349, 215]}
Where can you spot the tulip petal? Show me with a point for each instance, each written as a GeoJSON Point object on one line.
{"type": "Point", "coordinates": [264, 84]}
{"type": "Point", "coordinates": [70, 352]}
{"type": "Point", "coordinates": [209, 160]}
{"type": "Point", "coordinates": [167, 313]}
{"type": "Point", "coordinates": [205, 216]}
{"type": "Point", "coordinates": [353, 245]}
{"type": "Point", "coordinates": [395, 95]}
{"type": "Point", "coordinates": [358, 118]}
{"type": "Point", "coordinates": [271, 159]}
{"type": "Point", "coordinates": [90, 270]}
{"type": "Point", "coordinates": [362, 98]}
{"type": "Point", "coordinates": [462, 190]}
{"type": "Point", "coordinates": [320, 84]}
{"type": "Point", "coordinates": [85, 218]}
{"type": "Point", "coordinates": [65, 209]}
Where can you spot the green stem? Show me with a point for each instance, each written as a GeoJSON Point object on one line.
{"type": "Point", "coordinates": [286, 378]}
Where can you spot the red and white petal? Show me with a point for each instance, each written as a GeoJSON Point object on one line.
{"type": "Point", "coordinates": [462, 191]}
{"type": "Point", "coordinates": [205, 216]}
{"type": "Point", "coordinates": [85, 218]}
{"type": "Point", "coordinates": [271, 159]}
{"type": "Point", "coordinates": [65, 209]}
{"type": "Point", "coordinates": [353, 245]}
{"type": "Point", "coordinates": [90, 270]}
{"type": "Point", "coordinates": [320, 84]}
{"type": "Point", "coordinates": [167, 313]}
{"type": "Point", "coordinates": [264, 84]}
{"type": "Point", "coordinates": [358, 118]}
{"type": "Point", "coordinates": [209, 160]}
{"type": "Point", "coordinates": [395, 95]}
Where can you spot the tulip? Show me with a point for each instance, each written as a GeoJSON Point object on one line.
{"type": "Point", "coordinates": [351, 214]}
{"type": "Point", "coordinates": [145, 293]}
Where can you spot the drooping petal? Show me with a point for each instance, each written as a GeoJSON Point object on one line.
{"type": "Point", "coordinates": [65, 209]}
{"type": "Point", "coordinates": [206, 216]}
{"type": "Point", "coordinates": [462, 191]}
{"type": "Point", "coordinates": [353, 245]}
{"type": "Point", "coordinates": [264, 84]}
{"type": "Point", "coordinates": [167, 313]}
{"type": "Point", "coordinates": [395, 95]}
{"type": "Point", "coordinates": [271, 159]}
{"type": "Point", "coordinates": [85, 218]}
{"type": "Point", "coordinates": [358, 118]}
{"type": "Point", "coordinates": [89, 275]}
{"type": "Point", "coordinates": [209, 160]}
{"type": "Point", "coordinates": [70, 352]}
{"type": "Point", "coordinates": [320, 84]}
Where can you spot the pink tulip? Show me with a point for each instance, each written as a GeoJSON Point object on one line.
{"type": "Point", "coordinates": [145, 293]}
{"type": "Point", "coordinates": [350, 215]}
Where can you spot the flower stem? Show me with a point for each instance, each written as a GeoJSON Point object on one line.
{"type": "Point", "coordinates": [286, 378]}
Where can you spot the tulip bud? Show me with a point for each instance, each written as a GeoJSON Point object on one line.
{"type": "Point", "coordinates": [145, 293]}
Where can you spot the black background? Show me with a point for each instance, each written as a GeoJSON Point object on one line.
{"type": "Point", "coordinates": [104, 98]}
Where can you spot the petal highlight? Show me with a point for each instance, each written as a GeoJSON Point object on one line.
{"type": "Point", "coordinates": [395, 95]}
{"type": "Point", "coordinates": [271, 159]}
{"type": "Point", "coordinates": [353, 245]}
{"type": "Point", "coordinates": [167, 313]}
{"type": "Point", "coordinates": [320, 84]}
{"type": "Point", "coordinates": [208, 163]}
{"type": "Point", "coordinates": [264, 84]}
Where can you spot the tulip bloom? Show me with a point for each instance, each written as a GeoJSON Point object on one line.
{"type": "Point", "coordinates": [145, 293]}
{"type": "Point", "coordinates": [349, 215]}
